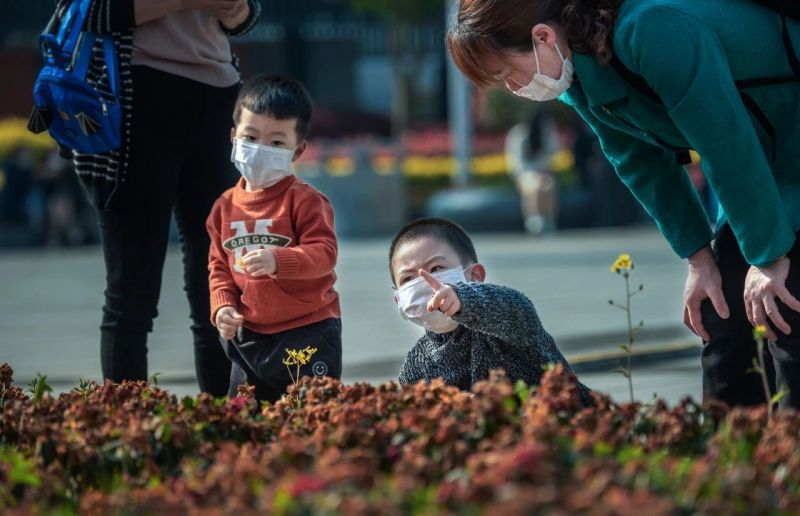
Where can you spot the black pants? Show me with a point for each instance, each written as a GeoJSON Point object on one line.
{"type": "Point", "coordinates": [728, 357]}
{"type": "Point", "coordinates": [258, 359]}
{"type": "Point", "coordinates": [179, 160]}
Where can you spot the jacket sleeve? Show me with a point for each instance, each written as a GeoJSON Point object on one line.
{"type": "Point", "coordinates": [661, 186]}
{"type": "Point", "coordinates": [106, 15]}
{"type": "Point", "coordinates": [221, 285]}
{"type": "Point", "coordinates": [684, 61]}
{"type": "Point", "coordinates": [316, 251]}
{"type": "Point", "coordinates": [247, 25]}
{"type": "Point", "coordinates": [501, 312]}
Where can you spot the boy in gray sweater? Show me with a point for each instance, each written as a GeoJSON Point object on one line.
{"type": "Point", "coordinates": [471, 327]}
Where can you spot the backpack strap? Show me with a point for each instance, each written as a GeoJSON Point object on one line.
{"type": "Point", "coordinates": [73, 25]}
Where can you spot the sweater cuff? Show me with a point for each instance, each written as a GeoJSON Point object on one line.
{"type": "Point", "coordinates": [468, 298]}
{"type": "Point", "coordinates": [220, 298]}
{"type": "Point", "coordinates": [287, 264]}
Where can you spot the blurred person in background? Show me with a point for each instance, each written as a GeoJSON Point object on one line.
{"type": "Point", "coordinates": [59, 214]}
{"type": "Point", "coordinates": [17, 182]}
{"type": "Point", "coordinates": [179, 81]}
{"type": "Point", "coordinates": [530, 146]}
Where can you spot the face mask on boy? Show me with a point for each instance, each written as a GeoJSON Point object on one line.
{"type": "Point", "coordinates": [261, 165]}
{"type": "Point", "coordinates": [413, 297]}
{"type": "Point", "coordinates": [543, 87]}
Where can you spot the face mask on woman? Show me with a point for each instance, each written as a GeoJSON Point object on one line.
{"type": "Point", "coordinates": [261, 165]}
{"type": "Point", "coordinates": [543, 87]}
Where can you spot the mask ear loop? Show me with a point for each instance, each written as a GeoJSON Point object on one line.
{"type": "Point", "coordinates": [536, 57]}
{"type": "Point", "coordinates": [560, 54]}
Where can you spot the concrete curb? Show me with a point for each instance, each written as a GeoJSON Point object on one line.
{"type": "Point", "coordinates": [607, 360]}
{"type": "Point", "coordinates": [587, 362]}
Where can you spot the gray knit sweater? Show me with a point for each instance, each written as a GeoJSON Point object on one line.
{"type": "Point", "coordinates": [499, 328]}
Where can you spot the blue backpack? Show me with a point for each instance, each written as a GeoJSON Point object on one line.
{"type": "Point", "coordinates": [76, 113]}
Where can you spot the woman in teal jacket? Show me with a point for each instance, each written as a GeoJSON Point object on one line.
{"type": "Point", "coordinates": [654, 78]}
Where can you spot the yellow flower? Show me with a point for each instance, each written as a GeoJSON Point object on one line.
{"type": "Point", "coordinates": [623, 263]}
{"type": "Point", "coordinates": [760, 331]}
{"type": "Point", "coordinates": [299, 357]}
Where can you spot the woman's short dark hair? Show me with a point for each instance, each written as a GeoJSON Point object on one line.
{"type": "Point", "coordinates": [486, 28]}
{"type": "Point", "coordinates": [278, 96]}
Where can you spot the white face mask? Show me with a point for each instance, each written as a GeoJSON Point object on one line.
{"type": "Point", "coordinates": [261, 165]}
{"type": "Point", "coordinates": [413, 297]}
{"type": "Point", "coordinates": [543, 87]}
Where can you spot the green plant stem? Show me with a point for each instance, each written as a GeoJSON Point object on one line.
{"type": "Point", "coordinates": [290, 375]}
{"type": "Point", "coordinates": [762, 371]}
{"type": "Point", "coordinates": [630, 332]}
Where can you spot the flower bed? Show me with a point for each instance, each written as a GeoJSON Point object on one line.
{"type": "Point", "coordinates": [502, 449]}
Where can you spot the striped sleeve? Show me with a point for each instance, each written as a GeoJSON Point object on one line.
{"type": "Point", "coordinates": [110, 16]}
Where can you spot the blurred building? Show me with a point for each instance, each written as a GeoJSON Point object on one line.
{"type": "Point", "coordinates": [342, 55]}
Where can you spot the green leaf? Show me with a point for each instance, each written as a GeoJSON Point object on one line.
{"type": "Point", "coordinates": [778, 396]}
{"type": "Point", "coordinates": [39, 387]}
{"type": "Point", "coordinates": [522, 390]}
{"type": "Point", "coordinates": [20, 470]}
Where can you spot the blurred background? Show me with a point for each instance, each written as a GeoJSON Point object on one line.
{"type": "Point", "coordinates": [397, 134]}
{"type": "Point", "coordinates": [381, 134]}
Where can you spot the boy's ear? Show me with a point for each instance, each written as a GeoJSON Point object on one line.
{"type": "Point", "coordinates": [300, 150]}
{"type": "Point", "coordinates": [477, 273]}
{"type": "Point", "coordinates": [233, 133]}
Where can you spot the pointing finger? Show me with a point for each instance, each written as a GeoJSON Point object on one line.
{"type": "Point", "coordinates": [433, 282]}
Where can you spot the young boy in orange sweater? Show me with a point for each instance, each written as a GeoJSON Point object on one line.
{"type": "Point", "coordinates": [273, 247]}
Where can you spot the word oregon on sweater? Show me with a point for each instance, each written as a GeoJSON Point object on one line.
{"type": "Point", "coordinates": [295, 222]}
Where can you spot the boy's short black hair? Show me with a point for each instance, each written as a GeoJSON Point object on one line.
{"type": "Point", "coordinates": [442, 229]}
{"type": "Point", "coordinates": [278, 96]}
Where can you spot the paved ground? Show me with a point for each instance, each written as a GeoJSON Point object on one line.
{"type": "Point", "coordinates": [50, 308]}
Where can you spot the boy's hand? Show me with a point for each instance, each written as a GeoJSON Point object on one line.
{"type": "Point", "coordinates": [259, 263]}
{"type": "Point", "coordinates": [228, 322]}
{"type": "Point", "coordinates": [444, 297]}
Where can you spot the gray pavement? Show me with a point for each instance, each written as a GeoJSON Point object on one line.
{"type": "Point", "coordinates": [51, 299]}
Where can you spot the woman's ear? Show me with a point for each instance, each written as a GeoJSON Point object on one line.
{"type": "Point", "coordinates": [300, 150]}
{"type": "Point", "coordinates": [477, 273]}
{"type": "Point", "coordinates": [233, 133]}
{"type": "Point", "coordinates": [542, 33]}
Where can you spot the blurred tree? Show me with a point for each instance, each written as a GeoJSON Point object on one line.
{"type": "Point", "coordinates": [405, 53]}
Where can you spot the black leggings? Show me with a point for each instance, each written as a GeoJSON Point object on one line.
{"type": "Point", "coordinates": [728, 357]}
{"type": "Point", "coordinates": [179, 158]}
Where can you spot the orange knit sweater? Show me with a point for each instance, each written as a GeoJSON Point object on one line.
{"type": "Point", "coordinates": [295, 222]}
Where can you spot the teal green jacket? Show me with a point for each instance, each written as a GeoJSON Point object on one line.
{"type": "Point", "coordinates": [690, 52]}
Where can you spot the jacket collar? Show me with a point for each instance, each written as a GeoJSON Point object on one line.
{"type": "Point", "coordinates": [595, 84]}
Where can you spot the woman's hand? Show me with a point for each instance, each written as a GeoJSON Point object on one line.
{"type": "Point", "coordinates": [235, 15]}
{"type": "Point", "coordinates": [228, 12]}
{"type": "Point", "coordinates": [761, 286]}
{"type": "Point", "coordinates": [703, 281]}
